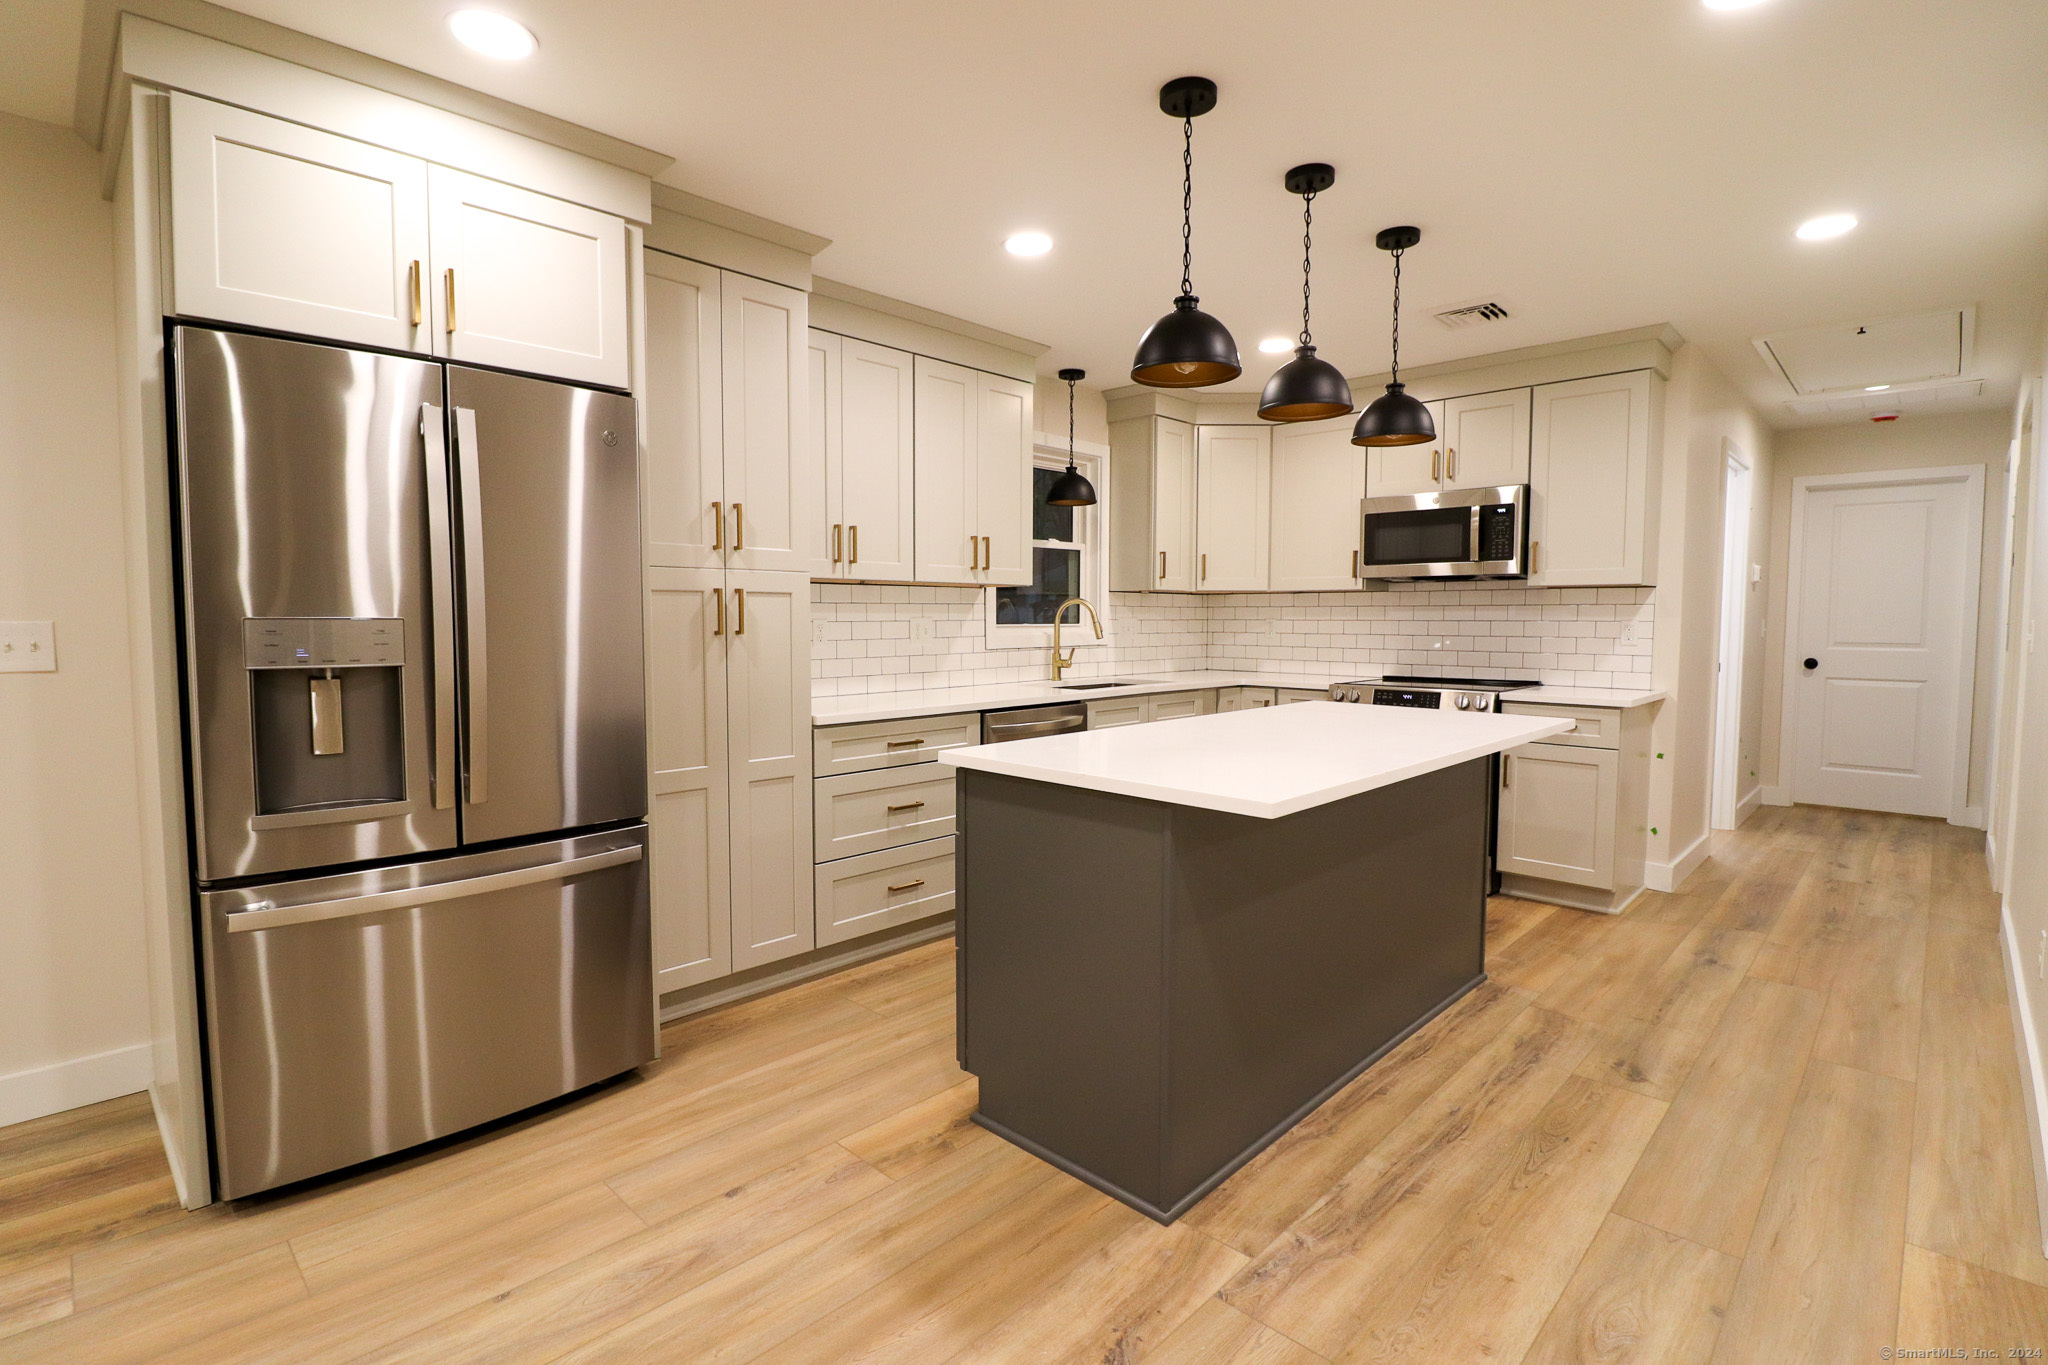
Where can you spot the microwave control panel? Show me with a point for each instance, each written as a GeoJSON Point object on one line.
{"type": "Point", "coordinates": [1497, 533]}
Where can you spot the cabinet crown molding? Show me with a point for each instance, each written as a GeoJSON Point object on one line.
{"type": "Point", "coordinates": [855, 312]}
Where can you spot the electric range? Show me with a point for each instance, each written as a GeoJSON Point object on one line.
{"type": "Point", "coordinates": [1432, 694]}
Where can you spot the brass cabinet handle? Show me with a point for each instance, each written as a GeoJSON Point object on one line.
{"type": "Point", "coordinates": [1205, 567]}
{"type": "Point", "coordinates": [1162, 566]}
{"type": "Point", "coordinates": [1436, 466]}
{"type": "Point", "coordinates": [853, 545]}
{"type": "Point", "coordinates": [904, 743]}
{"type": "Point", "coordinates": [974, 552]}
{"type": "Point", "coordinates": [450, 280]}
{"type": "Point", "coordinates": [988, 560]}
{"type": "Point", "coordinates": [1450, 462]}
{"type": "Point", "coordinates": [413, 287]}
{"type": "Point", "coordinates": [718, 596]}
{"type": "Point", "coordinates": [739, 527]}
{"type": "Point", "coordinates": [914, 805]}
{"type": "Point", "coordinates": [739, 596]}
{"type": "Point", "coordinates": [718, 526]}
{"type": "Point", "coordinates": [1354, 564]}
{"type": "Point", "coordinates": [1534, 546]}
{"type": "Point", "coordinates": [1507, 766]}
{"type": "Point", "coordinates": [835, 542]}
{"type": "Point", "coordinates": [907, 886]}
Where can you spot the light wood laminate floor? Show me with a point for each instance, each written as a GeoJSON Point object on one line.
{"type": "Point", "coordinates": [1773, 1117]}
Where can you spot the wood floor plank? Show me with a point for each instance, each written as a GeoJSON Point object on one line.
{"type": "Point", "coordinates": [1972, 1185]}
{"type": "Point", "coordinates": [1509, 917]}
{"type": "Point", "coordinates": [1754, 900]}
{"type": "Point", "coordinates": [1946, 1302]}
{"type": "Point", "coordinates": [556, 1312]}
{"type": "Point", "coordinates": [56, 1138]}
{"type": "Point", "coordinates": [1965, 959]}
{"type": "Point", "coordinates": [1217, 1334]}
{"type": "Point", "coordinates": [1693, 985]}
{"type": "Point", "coordinates": [35, 1295]}
{"type": "Point", "coordinates": [915, 1137]}
{"type": "Point", "coordinates": [1820, 1280]}
{"type": "Point", "coordinates": [1280, 1184]}
{"type": "Point", "coordinates": [92, 1220]}
{"type": "Point", "coordinates": [1822, 909]}
{"type": "Point", "coordinates": [152, 1326]}
{"type": "Point", "coordinates": [1959, 859]}
{"type": "Point", "coordinates": [1872, 1019]}
{"type": "Point", "coordinates": [1650, 1059]}
{"type": "Point", "coordinates": [1482, 1287]}
{"type": "Point", "coordinates": [1686, 906]}
{"type": "Point", "coordinates": [1640, 1297]}
{"type": "Point", "coordinates": [1603, 983]}
{"type": "Point", "coordinates": [1704, 1173]}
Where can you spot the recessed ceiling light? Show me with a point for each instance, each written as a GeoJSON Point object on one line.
{"type": "Point", "coordinates": [1731, 4]}
{"type": "Point", "coordinates": [1277, 345]}
{"type": "Point", "coordinates": [1875, 388]}
{"type": "Point", "coordinates": [492, 34]}
{"type": "Point", "coordinates": [1826, 226]}
{"type": "Point", "coordinates": [1027, 244]}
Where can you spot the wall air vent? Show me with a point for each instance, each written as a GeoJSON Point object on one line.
{"type": "Point", "coordinates": [1473, 314]}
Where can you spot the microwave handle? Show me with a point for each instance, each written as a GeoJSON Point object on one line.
{"type": "Point", "coordinates": [1472, 546]}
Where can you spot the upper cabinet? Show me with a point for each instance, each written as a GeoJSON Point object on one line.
{"type": "Point", "coordinates": [526, 282]}
{"type": "Point", "coordinates": [1232, 498]}
{"type": "Point", "coordinates": [1152, 505]}
{"type": "Point", "coordinates": [973, 475]}
{"type": "Point", "coordinates": [774, 485]}
{"type": "Point", "coordinates": [682, 401]}
{"type": "Point", "coordinates": [1318, 483]}
{"type": "Point", "coordinates": [1486, 439]}
{"type": "Point", "coordinates": [861, 419]}
{"type": "Point", "coordinates": [1593, 481]}
{"type": "Point", "coordinates": [278, 225]}
{"type": "Point", "coordinates": [1391, 471]}
{"type": "Point", "coordinates": [282, 226]}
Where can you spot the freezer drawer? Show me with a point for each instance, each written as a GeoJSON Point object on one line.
{"type": "Point", "coordinates": [357, 1015]}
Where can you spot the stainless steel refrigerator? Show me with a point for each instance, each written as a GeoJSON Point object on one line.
{"type": "Point", "coordinates": [415, 721]}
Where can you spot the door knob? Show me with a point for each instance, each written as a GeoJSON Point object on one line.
{"type": "Point", "coordinates": [1813, 663]}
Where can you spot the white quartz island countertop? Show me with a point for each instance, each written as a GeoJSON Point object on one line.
{"type": "Point", "coordinates": [1268, 762]}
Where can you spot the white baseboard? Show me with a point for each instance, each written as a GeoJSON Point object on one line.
{"type": "Point", "coordinates": [2033, 1077]}
{"type": "Point", "coordinates": [1970, 817]}
{"type": "Point", "coordinates": [1670, 876]}
{"type": "Point", "coordinates": [1747, 805]}
{"type": "Point", "coordinates": [1776, 796]}
{"type": "Point", "coordinates": [52, 1089]}
{"type": "Point", "coordinates": [1991, 862]}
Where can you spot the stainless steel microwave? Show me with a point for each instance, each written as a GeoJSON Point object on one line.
{"type": "Point", "coordinates": [1457, 533]}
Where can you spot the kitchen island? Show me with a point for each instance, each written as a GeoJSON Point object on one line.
{"type": "Point", "coordinates": [1176, 940]}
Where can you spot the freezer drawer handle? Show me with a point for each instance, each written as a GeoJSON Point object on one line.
{"type": "Point", "coordinates": [264, 915]}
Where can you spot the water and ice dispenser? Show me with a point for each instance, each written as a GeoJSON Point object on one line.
{"type": "Point", "coordinates": [327, 699]}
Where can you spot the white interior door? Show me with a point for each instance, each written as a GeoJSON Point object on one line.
{"type": "Point", "coordinates": [876, 444]}
{"type": "Point", "coordinates": [1233, 488]}
{"type": "Point", "coordinates": [774, 477]}
{"type": "Point", "coordinates": [768, 679]}
{"type": "Point", "coordinates": [680, 405]}
{"type": "Point", "coordinates": [1486, 439]}
{"type": "Point", "coordinates": [1318, 481]}
{"type": "Point", "coordinates": [948, 425]}
{"type": "Point", "coordinates": [1881, 646]}
{"type": "Point", "coordinates": [282, 226]}
{"type": "Point", "coordinates": [691, 879]}
{"type": "Point", "coordinates": [527, 281]}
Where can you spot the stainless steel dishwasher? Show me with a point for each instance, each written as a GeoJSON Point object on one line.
{"type": "Point", "coordinates": [1029, 722]}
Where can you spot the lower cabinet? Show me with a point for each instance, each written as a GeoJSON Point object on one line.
{"type": "Point", "coordinates": [883, 822]}
{"type": "Point", "coordinates": [1572, 809]}
{"type": "Point", "coordinates": [729, 736]}
{"type": "Point", "coordinates": [1109, 713]}
{"type": "Point", "coordinates": [1245, 698]}
{"type": "Point", "coordinates": [872, 891]}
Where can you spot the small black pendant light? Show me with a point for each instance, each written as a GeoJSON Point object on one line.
{"type": "Point", "coordinates": [1072, 488]}
{"type": "Point", "coordinates": [1395, 419]}
{"type": "Point", "coordinates": [1186, 349]}
{"type": "Point", "coordinates": [1306, 389]}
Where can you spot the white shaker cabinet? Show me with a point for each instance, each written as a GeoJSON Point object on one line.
{"type": "Point", "coordinates": [682, 403]}
{"type": "Point", "coordinates": [1318, 483]}
{"type": "Point", "coordinates": [1593, 481]}
{"type": "Point", "coordinates": [973, 475]}
{"type": "Point", "coordinates": [1152, 505]}
{"type": "Point", "coordinates": [861, 419]}
{"type": "Point", "coordinates": [768, 689]}
{"type": "Point", "coordinates": [1232, 501]}
{"type": "Point", "coordinates": [1485, 437]}
{"type": "Point", "coordinates": [774, 478]}
{"type": "Point", "coordinates": [1002, 480]}
{"type": "Point", "coordinates": [690, 839]}
{"type": "Point", "coordinates": [278, 225]}
{"type": "Point", "coordinates": [1558, 810]}
{"type": "Point", "coordinates": [1394, 470]}
{"type": "Point", "coordinates": [526, 281]}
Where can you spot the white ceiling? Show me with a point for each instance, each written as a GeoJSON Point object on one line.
{"type": "Point", "coordinates": [1596, 165]}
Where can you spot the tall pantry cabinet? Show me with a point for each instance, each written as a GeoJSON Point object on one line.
{"type": "Point", "coordinates": [731, 515]}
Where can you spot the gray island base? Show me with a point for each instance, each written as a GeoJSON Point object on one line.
{"type": "Point", "coordinates": [1152, 993]}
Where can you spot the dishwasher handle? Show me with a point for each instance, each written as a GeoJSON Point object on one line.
{"type": "Point", "coordinates": [1033, 724]}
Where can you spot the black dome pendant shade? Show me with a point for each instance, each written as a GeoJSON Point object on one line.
{"type": "Point", "coordinates": [1306, 389]}
{"type": "Point", "coordinates": [1186, 349]}
{"type": "Point", "coordinates": [1072, 488]}
{"type": "Point", "coordinates": [1394, 418]}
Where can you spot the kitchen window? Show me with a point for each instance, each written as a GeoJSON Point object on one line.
{"type": "Point", "coordinates": [1066, 560]}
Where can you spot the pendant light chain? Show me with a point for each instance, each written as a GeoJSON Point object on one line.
{"type": "Point", "coordinates": [1307, 222]}
{"type": "Point", "coordinates": [1397, 317]}
{"type": "Point", "coordinates": [1070, 424]}
{"type": "Point", "coordinates": [1187, 206]}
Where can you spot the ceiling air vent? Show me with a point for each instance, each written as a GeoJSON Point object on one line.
{"type": "Point", "coordinates": [1473, 314]}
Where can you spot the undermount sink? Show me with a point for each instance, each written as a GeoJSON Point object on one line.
{"type": "Point", "coordinates": [1098, 686]}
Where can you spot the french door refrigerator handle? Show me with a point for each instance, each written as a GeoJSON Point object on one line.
{"type": "Point", "coordinates": [264, 915]}
{"type": "Point", "coordinates": [476, 672]}
{"type": "Point", "coordinates": [441, 601]}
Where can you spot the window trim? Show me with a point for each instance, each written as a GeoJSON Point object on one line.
{"type": "Point", "coordinates": [1093, 525]}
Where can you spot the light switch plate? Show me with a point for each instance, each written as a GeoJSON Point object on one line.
{"type": "Point", "coordinates": [922, 628]}
{"type": "Point", "coordinates": [817, 632]}
{"type": "Point", "coordinates": [28, 647]}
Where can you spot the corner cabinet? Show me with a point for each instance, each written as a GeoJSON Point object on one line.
{"type": "Point", "coordinates": [973, 475]}
{"type": "Point", "coordinates": [1233, 488]}
{"type": "Point", "coordinates": [1152, 505]}
{"type": "Point", "coordinates": [1593, 481]}
{"type": "Point", "coordinates": [282, 226]}
{"type": "Point", "coordinates": [1318, 484]}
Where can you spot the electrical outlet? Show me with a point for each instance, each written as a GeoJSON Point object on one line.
{"type": "Point", "coordinates": [817, 632]}
{"type": "Point", "coordinates": [1632, 640]}
{"type": "Point", "coordinates": [28, 647]}
{"type": "Point", "coordinates": [923, 629]}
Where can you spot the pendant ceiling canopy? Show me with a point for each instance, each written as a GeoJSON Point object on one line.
{"type": "Point", "coordinates": [1306, 388]}
{"type": "Point", "coordinates": [1186, 349]}
{"type": "Point", "coordinates": [1394, 418]}
{"type": "Point", "coordinates": [1072, 488]}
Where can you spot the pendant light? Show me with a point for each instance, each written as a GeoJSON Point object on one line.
{"type": "Point", "coordinates": [1306, 389]}
{"type": "Point", "coordinates": [1072, 488]}
{"type": "Point", "coordinates": [1186, 349]}
{"type": "Point", "coordinates": [1395, 419]}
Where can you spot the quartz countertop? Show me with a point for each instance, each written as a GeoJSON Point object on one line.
{"type": "Point", "coordinates": [1564, 694]}
{"type": "Point", "coordinates": [1266, 762]}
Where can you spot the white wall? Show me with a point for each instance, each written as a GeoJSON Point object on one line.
{"type": "Point", "coordinates": [73, 1016]}
{"type": "Point", "coordinates": [1910, 443]}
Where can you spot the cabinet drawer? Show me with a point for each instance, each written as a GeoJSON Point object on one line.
{"type": "Point", "coordinates": [1107, 715]}
{"type": "Point", "coordinates": [1174, 705]}
{"type": "Point", "coordinates": [1289, 695]}
{"type": "Point", "coordinates": [871, 811]}
{"type": "Point", "coordinates": [1594, 727]}
{"type": "Point", "coordinates": [892, 743]}
{"type": "Point", "coordinates": [874, 891]}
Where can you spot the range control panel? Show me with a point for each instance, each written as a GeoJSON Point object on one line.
{"type": "Point", "coordinates": [1393, 696]}
{"type": "Point", "coordinates": [322, 641]}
